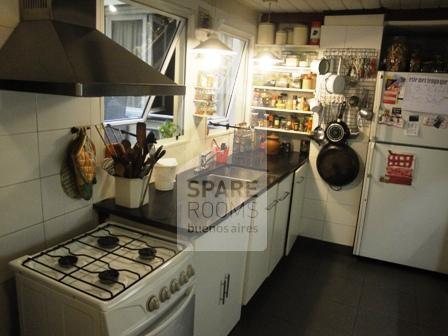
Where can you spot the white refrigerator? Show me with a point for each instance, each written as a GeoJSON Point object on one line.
{"type": "Point", "coordinates": [404, 220]}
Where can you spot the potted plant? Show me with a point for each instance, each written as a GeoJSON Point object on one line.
{"type": "Point", "coordinates": [168, 129]}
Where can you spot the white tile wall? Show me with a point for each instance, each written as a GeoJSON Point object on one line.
{"type": "Point", "coordinates": [54, 201]}
{"type": "Point", "coordinates": [20, 159]}
{"type": "Point", "coordinates": [57, 112]}
{"type": "Point", "coordinates": [17, 111]}
{"type": "Point", "coordinates": [341, 213]}
{"type": "Point", "coordinates": [316, 189]}
{"type": "Point", "coordinates": [64, 227]}
{"type": "Point", "coordinates": [336, 233]}
{"type": "Point", "coordinates": [328, 214]}
{"type": "Point", "coordinates": [19, 243]}
{"type": "Point", "coordinates": [311, 228]}
{"type": "Point", "coordinates": [314, 209]}
{"type": "Point", "coordinates": [20, 206]}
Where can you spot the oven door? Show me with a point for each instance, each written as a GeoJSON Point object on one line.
{"type": "Point", "coordinates": [179, 321]}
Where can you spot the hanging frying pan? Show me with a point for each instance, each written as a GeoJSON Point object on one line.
{"type": "Point", "coordinates": [337, 164]}
{"type": "Point", "coordinates": [337, 131]}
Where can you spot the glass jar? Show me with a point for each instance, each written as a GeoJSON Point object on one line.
{"type": "Point", "coordinates": [397, 55]}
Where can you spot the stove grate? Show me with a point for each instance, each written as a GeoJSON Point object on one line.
{"type": "Point", "coordinates": [77, 275]}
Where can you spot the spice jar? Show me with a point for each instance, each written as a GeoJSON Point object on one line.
{"type": "Point", "coordinates": [307, 83]}
{"type": "Point", "coordinates": [303, 105]}
{"type": "Point", "coordinates": [276, 121]}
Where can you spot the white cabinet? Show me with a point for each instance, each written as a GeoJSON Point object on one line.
{"type": "Point", "coordinates": [351, 37]}
{"type": "Point", "coordinates": [277, 246]}
{"type": "Point", "coordinates": [333, 36]}
{"type": "Point", "coordinates": [259, 241]}
{"type": "Point", "coordinates": [298, 193]}
{"type": "Point", "coordinates": [220, 257]}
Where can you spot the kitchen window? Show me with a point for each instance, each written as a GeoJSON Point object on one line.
{"type": "Point", "coordinates": [159, 39]}
{"type": "Point", "coordinates": [229, 76]}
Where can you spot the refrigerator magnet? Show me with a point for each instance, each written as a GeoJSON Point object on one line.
{"type": "Point", "coordinates": [412, 126]}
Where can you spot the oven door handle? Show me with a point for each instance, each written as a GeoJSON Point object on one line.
{"type": "Point", "coordinates": [173, 315]}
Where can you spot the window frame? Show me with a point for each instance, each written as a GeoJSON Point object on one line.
{"type": "Point", "coordinates": [242, 71]}
{"type": "Point", "coordinates": [178, 46]}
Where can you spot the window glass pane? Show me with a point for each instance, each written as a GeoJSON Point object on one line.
{"type": "Point", "coordinates": [147, 34]}
{"type": "Point", "coordinates": [217, 75]}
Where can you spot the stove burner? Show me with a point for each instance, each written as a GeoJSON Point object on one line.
{"type": "Point", "coordinates": [147, 253]}
{"type": "Point", "coordinates": [68, 261]}
{"type": "Point", "coordinates": [109, 276]}
{"type": "Point", "coordinates": [108, 242]}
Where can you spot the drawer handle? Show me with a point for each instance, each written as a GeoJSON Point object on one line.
{"type": "Point", "coordinates": [284, 196]}
{"type": "Point", "coordinates": [273, 204]}
{"type": "Point", "coordinates": [300, 180]}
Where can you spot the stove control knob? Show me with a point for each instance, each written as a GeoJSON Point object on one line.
{"type": "Point", "coordinates": [190, 271]}
{"type": "Point", "coordinates": [183, 279]}
{"type": "Point", "coordinates": [164, 294]}
{"type": "Point", "coordinates": [153, 303]}
{"type": "Point", "coordinates": [175, 286]}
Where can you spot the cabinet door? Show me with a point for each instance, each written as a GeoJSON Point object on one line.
{"type": "Point", "coordinates": [298, 192]}
{"type": "Point", "coordinates": [258, 253]}
{"type": "Point", "coordinates": [364, 37]}
{"type": "Point", "coordinates": [333, 36]}
{"type": "Point", "coordinates": [220, 257]}
{"type": "Point", "coordinates": [281, 222]}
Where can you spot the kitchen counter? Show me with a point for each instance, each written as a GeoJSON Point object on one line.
{"type": "Point", "coordinates": [162, 210]}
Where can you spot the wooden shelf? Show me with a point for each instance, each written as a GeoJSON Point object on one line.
{"type": "Point", "coordinates": [279, 130]}
{"type": "Point", "coordinates": [276, 88]}
{"type": "Point", "coordinates": [205, 88]}
{"type": "Point", "coordinates": [283, 68]}
{"type": "Point", "coordinates": [306, 47]}
{"type": "Point", "coordinates": [274, 109]}
{"type": "Point", "coordinates": [202, 115]}
{"type": "Point", "coordinates": [203, 101]}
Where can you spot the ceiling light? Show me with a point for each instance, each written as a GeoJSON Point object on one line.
{"type": "Point", "coordinates": [112, 8]}
{"type": "Point", "coordinates": [267, 58]}
{"type": "Point", "coordinates": [213, 45]}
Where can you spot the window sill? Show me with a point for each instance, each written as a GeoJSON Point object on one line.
{"type": "Point", "coordinates": [172, 142]}
{"type": "Point", "coordinates": [217, 133]}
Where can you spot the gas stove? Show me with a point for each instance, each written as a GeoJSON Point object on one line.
{"type": "Point", "coordinates": [128, 276]}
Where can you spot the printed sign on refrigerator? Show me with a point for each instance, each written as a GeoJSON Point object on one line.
{"type": "Point", "coordinates": [400, 168]}
{"type": "Point", "coordinates": [425, 93]}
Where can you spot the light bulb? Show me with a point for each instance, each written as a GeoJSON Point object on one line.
{"type": "Point", "coordinates": [112, 8]}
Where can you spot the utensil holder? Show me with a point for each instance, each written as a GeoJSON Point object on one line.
{"type": "Point", "coordinates": [128, 192]}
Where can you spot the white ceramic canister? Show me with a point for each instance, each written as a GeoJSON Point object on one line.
{"type": "Point", "coordinates": [281, 37]}
{"type": "Point", "coordinates": [290, 39]}
{"type": "Point", "coordinates": [300, 35]}
{"type": "Point", "coordinates": [165, 174]}
{"type": "Point", "coordinates": [266, 32]}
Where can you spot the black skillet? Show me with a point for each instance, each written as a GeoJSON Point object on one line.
{"type": "Point", "coordinates": [337, 163]}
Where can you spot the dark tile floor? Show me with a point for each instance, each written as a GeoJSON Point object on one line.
{"type": "Point", "coordinates": [320, 289]}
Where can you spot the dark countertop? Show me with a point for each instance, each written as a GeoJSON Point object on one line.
{"type": "Point", "coordinates": [164, 210]}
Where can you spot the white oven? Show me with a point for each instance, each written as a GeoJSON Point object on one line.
{"type": "Point", "coordinates": [114, 280]}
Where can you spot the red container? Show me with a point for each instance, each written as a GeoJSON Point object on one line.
{"type": "Point", "coordinates": [221, 155]}
{"type": "Point", "coordinates": [315, 33]}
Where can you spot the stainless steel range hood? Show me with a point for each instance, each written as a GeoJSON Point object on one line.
{"type": "Point", "coordinates": [56, 49]}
